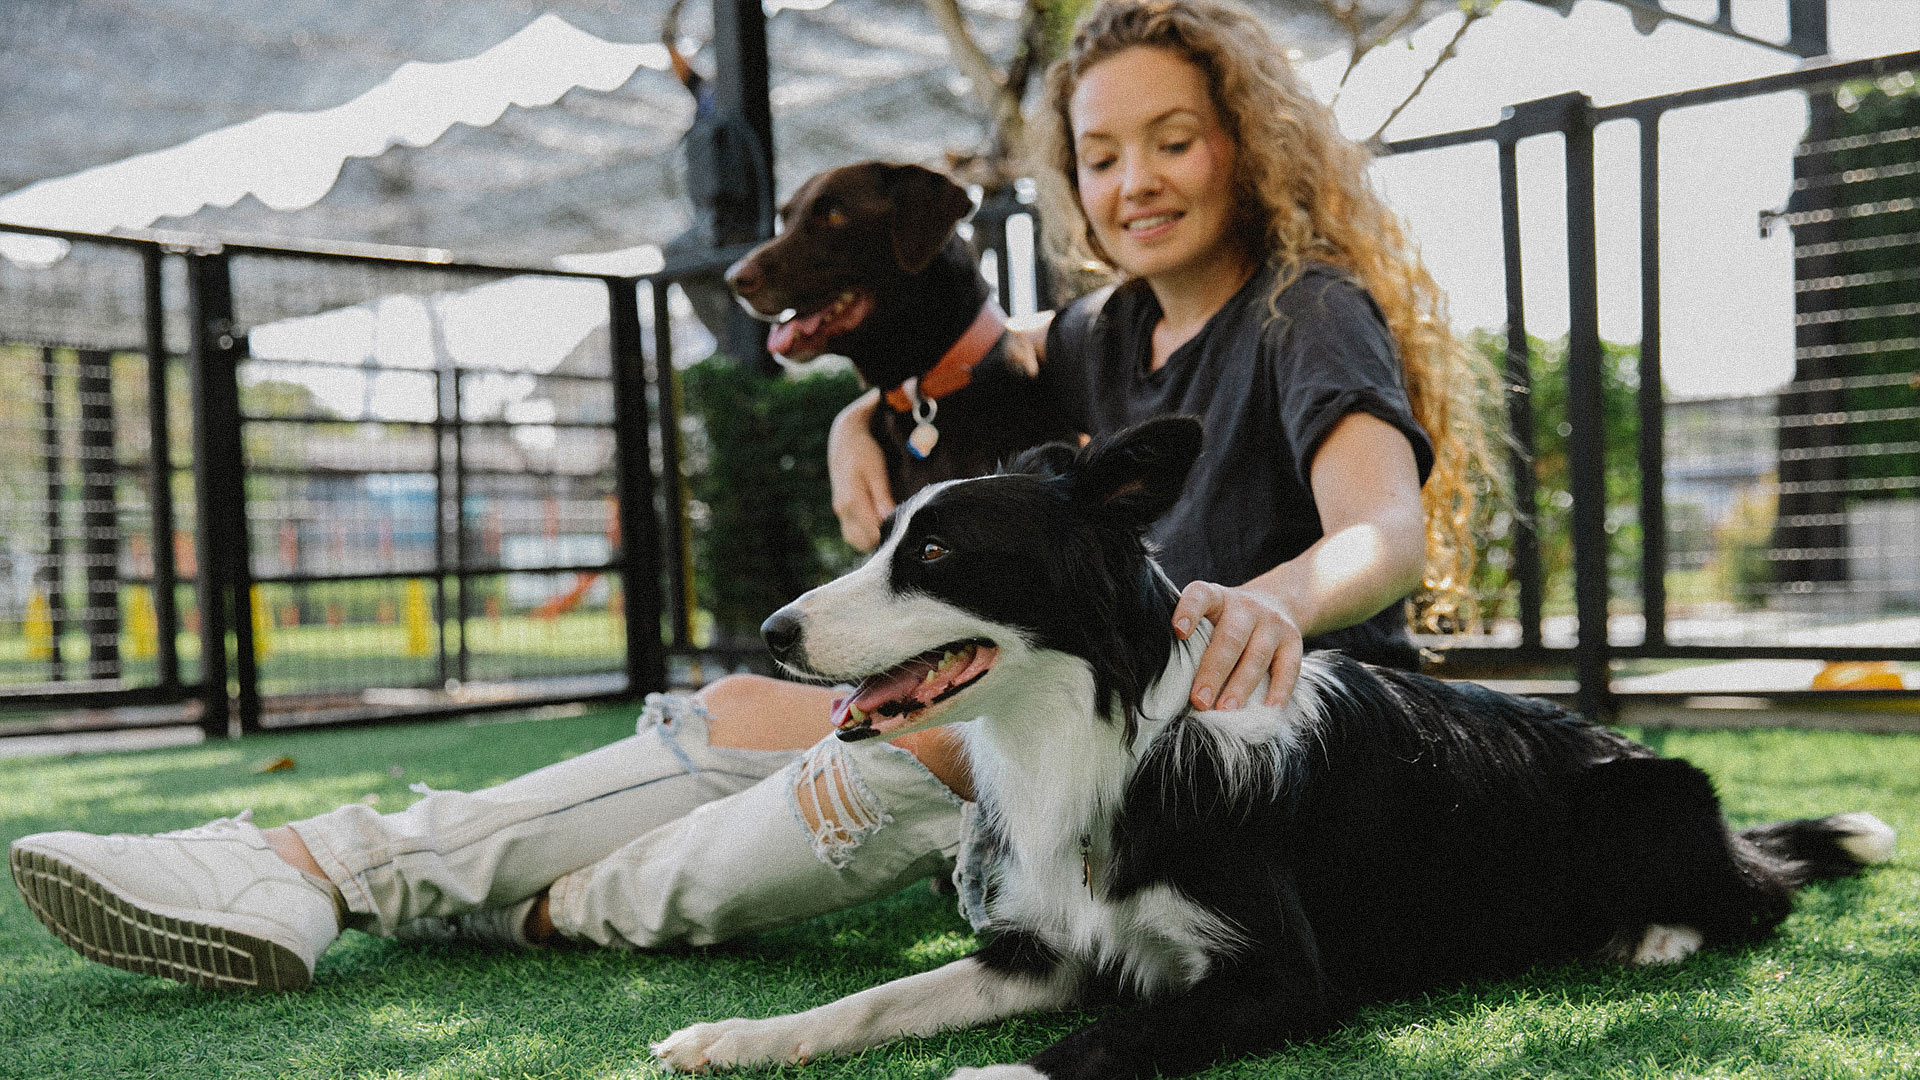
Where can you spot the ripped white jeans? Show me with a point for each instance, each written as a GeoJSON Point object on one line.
{"type": "Point", "coordinates": [656, 839]}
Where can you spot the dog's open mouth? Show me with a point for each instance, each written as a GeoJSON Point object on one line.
{"type": "Point", "coordinates": [892, 699]}
{"type": "Point", "coordinates": [803, 337]}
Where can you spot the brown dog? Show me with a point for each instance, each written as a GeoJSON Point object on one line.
{"type": "Point", "coordinates": [869, 266]}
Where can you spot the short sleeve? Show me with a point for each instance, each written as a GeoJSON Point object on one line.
{"type": "Point", "coordinates": [1336, 357]}
{"type": "Point", "coordinates": [1067, 373]}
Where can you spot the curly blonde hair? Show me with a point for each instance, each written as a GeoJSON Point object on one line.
{"type": "Point", "coordinates": [1304, 196]}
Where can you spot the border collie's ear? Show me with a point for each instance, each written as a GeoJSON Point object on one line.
{"type": "Point", "coordinates": [1047, 459]}
{"type": "Point", "coordinates": [926, 207]}
{"type": "Point", "coordinates": [1136, 475]}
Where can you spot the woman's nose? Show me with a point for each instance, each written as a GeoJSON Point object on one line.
{"type": "Point", "coordinates": [1138, 177]}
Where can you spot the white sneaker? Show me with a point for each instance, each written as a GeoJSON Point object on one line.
{"type": "Point", "coordinates": [212, 906]}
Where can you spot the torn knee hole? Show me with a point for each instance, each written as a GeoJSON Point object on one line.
{"type": "Point", "coordinates": [836, 806]}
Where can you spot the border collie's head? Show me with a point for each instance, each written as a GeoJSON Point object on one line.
{"type": "Point", "coordinates": [978, 580]}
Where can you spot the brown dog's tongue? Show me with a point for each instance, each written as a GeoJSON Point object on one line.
{"type": "Point", "coordinates": [798, 337]}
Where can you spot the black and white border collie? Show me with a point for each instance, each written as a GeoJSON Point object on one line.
{"type": "Point", "coordinates": [1242, 879]}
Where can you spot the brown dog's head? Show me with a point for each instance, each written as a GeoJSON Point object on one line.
{"type": "Point", "coordinates": [846, 235]}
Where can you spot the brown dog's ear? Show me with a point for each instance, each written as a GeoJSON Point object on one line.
{"type": "Point", "coordinates": [926, 207]}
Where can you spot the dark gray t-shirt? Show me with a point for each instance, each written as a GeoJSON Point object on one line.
{"type": "Point", "coordinates": [1269, 388]}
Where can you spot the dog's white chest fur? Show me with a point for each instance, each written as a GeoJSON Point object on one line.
{"type": "Point", "coordinates": [1055, 774]}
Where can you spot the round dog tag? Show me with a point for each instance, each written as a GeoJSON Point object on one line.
{"type": "Point", "coordinates": [924, 435]}
{"type": "Point", "coordinates": [922, 439]}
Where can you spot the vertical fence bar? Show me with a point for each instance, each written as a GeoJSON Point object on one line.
{"type": "Point", "coordinates": [226, 568]}
{"type": "Point", "coordinates": [463, 660]}
{"type": "Point", "coordinates": [633, 455]}
{"type": "Point", "coordinates": [206, 358]}
{"type": "Point", "coordinates": [440, 525]}
{"type": "Point", "coordinates": [679, 545]}
{"type": "Point", "coordinates": [1652, 397]}
{"type": "Point", "coordinates": [56, 575]}
{"type": "Point", "coordinates": [166, 570]}
{"type": "Point", "coordinates": [1586, 411]}
{"type": "Point", "coordinates": [246, 657]}
{"type": "Point", "coordinates": [1519, 384]}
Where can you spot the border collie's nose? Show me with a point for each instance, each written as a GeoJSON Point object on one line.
{"type": "Point", "coordinates": [782, 631]}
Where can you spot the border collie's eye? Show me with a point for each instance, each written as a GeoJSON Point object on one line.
{"type": "Point", "coordinates": [836, 217]}
{"type": "Point", "coordinates": [932, 552]}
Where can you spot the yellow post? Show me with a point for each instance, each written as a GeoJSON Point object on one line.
{"type": "Point", "coordinates": [419, 620]}
{"type": "Point", "coordinates": [143, 625]}
{"type": "Point", "coordinates": [39, 627]}
{"type": "Point", "coordinates": [262, 625]}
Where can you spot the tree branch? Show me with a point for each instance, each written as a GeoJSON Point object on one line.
{"type": "Point", "coordinates": [1473, 15]}
{"type": "Point", "coordinates": [1364, 40]}
{"type": "Point", "coordinates": [972, 61]}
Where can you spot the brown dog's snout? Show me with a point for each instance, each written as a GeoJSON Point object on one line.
{"type": "Point", "coordinates": [744, 277]}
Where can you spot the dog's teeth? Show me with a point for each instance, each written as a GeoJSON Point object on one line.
{"type": "Point", "coordinates": [932, 674]}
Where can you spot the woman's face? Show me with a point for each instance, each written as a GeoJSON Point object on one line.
{"type": "Point", "coordinates": [1155, 166]}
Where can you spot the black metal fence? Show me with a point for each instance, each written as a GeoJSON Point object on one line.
{"type": "Point", "coordinates": [248, 486]}
{"type": "Point", "coordinates": [1774, 526]}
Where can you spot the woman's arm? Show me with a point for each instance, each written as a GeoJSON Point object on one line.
{"type": "Point", "coordinates": [857, 471]}
{"type": "Point", "coordinates": [1367, 486]}
{"type": "Point", "coordinates": [862, 496]}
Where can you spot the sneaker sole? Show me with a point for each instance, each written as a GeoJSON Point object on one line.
{"type": "Point", "coordinates": [105, 927]}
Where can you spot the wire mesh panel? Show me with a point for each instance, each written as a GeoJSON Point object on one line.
{"type": "Point", "coordinates": [1796, 509]}
{"type": "Point", "coordinates": [430, 483]}
{"type": "Point", "coordinates": [90, 597]}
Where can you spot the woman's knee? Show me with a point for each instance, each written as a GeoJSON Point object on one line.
{"type": "Point", "coordinates": [754, 712]}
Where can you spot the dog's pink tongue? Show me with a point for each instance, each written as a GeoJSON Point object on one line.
{"type": "Point", "coordinates": [799, 336]}
{"type": "Point", "coordinates": [901, 684]}
{"type": "Point", "coordinates": [914, 685]}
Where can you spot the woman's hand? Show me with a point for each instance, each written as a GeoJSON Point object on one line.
{"type": "Point", "coordinates": [1367, 487]}
{"type": "Point", "coordinates": [1254, 637]}
{"type": "Point", "coordinates": [862, 497]}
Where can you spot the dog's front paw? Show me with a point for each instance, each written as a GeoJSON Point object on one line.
{"type": "Point", "coordinates": [1000, 1072]}
{"type": "Point", "coordinates": [732, 1044]}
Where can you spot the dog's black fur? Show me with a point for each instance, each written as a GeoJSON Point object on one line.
{"type": "Point", "coordinates": [889, 231]}
{"type": "Point", "coordinates": [1395, 835]}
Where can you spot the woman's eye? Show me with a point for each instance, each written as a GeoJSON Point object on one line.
{"type": "Point", "coordinates": [1098, 166]}
{"type": "Point", "coordinates": [1178, 147]}
{"type": "Point", "coordinates": [932, 551]}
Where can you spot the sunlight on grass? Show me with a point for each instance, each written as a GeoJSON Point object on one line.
{"type": "Point", "coordinates": [939, 949]}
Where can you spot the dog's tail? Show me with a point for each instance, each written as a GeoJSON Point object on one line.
{"type": "Point", "coordinates": [1820, 849]}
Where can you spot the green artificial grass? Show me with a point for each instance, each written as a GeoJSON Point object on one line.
{"type": "Point", "coordinates": [1835, 994]}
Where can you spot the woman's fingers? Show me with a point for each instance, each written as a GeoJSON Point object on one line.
{"type": "Point", "coordinates": [857, 472]}
{"type": "Point", "coordinates": [1285, 670]}
{"type": "Point", "coordinates": [862, 497]}
{"type": "Point", "coordinates": [1197, 601]}
{"type": "Point", "coordinates": [1252, 640]}
{"type": "Point", "coordinates": [1233, 625]}
{"type": "Point", "coordinates": [863, 511]}
{"type": "Point", "coordinates": [1255, 661]}
{"type": "Point", "coordinates": [879, 502]}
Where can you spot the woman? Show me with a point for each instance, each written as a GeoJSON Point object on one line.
{"type": "Point", "coordinates": [1262, 285]}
